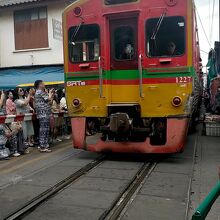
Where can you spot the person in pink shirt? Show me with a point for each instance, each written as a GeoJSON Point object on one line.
{"type": "Point", "coordinates": [10, 105]}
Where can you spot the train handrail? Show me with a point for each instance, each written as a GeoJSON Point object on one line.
{"type": "Point", "coordinates": [140, 69]}
{"type": "Point", "coordinates": [100, 78]}
{"type": "Point", "coordinates": [204, 208]}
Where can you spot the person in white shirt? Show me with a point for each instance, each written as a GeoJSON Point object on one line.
{"type": "Point", "coordinates": [63, 105]}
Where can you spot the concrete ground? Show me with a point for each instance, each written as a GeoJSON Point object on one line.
{"type": "Point", "coordinates": [164, 196]}
{"type": "Point", "coordinates": [17, 168]}
{"type": "Point", "coordinates": [25, 177]}
{"type": "Point", "coordinates": [206, 173]}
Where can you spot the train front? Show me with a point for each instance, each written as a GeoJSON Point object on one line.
{"type": "Point", "coordinates": [130, 69]}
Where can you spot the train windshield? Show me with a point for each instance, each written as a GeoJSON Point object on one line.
{"type": "Point", "coordinates": [84, 43]}
{"type": "Point", "coordinates": [165, 38]}
{"type": "Point", "coordinates": [115, 2]}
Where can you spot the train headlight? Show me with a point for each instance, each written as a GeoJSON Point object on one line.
{"type": "Point", "coordinates": [76, 103]}
{"type": "Point", "coordinates": [177, 101]}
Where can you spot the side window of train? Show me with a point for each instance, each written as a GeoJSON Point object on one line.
{"type": "Point", "coordinates": [84, 43]}
{"type": "Point", "coordinates": [115, 2]}
{"type": "Point", "coordinates": [124, 43]}
{"type": "Point", "coordinates": [165, 36]}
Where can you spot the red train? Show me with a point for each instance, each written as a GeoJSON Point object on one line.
{"type": "Point", "coordinates": [132, 67]}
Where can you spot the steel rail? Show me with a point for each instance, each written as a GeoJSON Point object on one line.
{"type": "Point", "coordinates": [129, 192]}
{"type": "Point", "coordinates": [191, 180]}
{"type": "Point", "coordinates": [38, 200]}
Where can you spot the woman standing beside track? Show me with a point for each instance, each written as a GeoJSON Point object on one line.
{"type": "Point", "coordinates": [22, 107]}
{"type": "Point", "coordinates": [10, 105]}
{"type": "Point", "coordinates": [43, 101]}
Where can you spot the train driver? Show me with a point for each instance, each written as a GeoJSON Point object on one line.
{"type": "Point", "coordinates": [171, 49]}
{"type": "Point", "coordinates": [128, 52]}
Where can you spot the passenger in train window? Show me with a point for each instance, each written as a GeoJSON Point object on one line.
{"type": "Point", "coordinates": [165, 39]}
{"type": "Point", "coordinates": [128, 52]}
{"type": "Point", "coordinates": [172, 49]}
{"type": "Point", "coordinates": [124, 41]}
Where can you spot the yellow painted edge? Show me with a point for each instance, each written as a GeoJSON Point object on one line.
{"type": "Point", "coordinates": [74, 4]}
{"type": "Point", "coordinates": [46, 83]}
{"type": "Point", "coordinates": [65, 44]}
{"type": "Point", "coordinates": [65, 31]}
{"type": "Point", "coordinates": [190, 31]}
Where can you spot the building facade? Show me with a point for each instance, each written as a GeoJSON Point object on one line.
{"type": "Point", "coordinates": [31, 33]}
{"type": "Point", "coordinates": [31, 45]}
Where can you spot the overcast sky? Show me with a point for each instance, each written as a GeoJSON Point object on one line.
{"type": "Point", "coordinates": [205, 9]}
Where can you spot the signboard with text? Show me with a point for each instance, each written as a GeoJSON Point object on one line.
{"type": "Point", "coordinates": [57, 29]}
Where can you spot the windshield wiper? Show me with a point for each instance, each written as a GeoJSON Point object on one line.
{"type": "Point", "coordinates": [157, 28]}
{"type": "Point", "coordinates": [76, 32]}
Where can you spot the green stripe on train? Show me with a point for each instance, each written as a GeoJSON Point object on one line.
{"type": "Point", "coordinates": [132, 74]}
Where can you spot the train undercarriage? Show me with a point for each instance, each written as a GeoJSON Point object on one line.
{"type": "Point", "coordinates": [124, 123]}
{"type": "Point", "coordinates": [124, 130]}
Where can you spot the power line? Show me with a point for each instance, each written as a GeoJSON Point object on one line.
{"type": "Point", "coordinates": [209, 19]}
{"type": "Point", "coordinates": [204, 51]}
{"type": "Point", "coordinates": [203, 27]}
{"type": "Point", "coordinates": [219, 18]}
{"type": "Point", "coordinates": [213, 14]}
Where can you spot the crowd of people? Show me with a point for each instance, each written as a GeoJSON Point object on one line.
{"type": "Point", "coordinates": [17, 137]}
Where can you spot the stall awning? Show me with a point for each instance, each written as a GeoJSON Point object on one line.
{"type": "Point", "coordinates": [10, 78]}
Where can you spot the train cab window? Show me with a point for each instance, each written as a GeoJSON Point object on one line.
{"type": "Point", "coordinates": [124, 43]}
{"type": "Point", "coordinates": [84, 43]}
{"type": "Point", "coordinates": [165, 36]}
{"type": "Point", "coordinates": [115, 2]}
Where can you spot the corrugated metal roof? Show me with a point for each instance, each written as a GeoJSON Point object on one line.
{"type": "Point", "coordinates": [6, 3]}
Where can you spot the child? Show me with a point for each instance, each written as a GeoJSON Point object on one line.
{"type": "Point", "coordinates": [12, 131]}
{"type": "Point", "coordinates": [4, 152]}
{"type": "Point", "coordinates": [8, 134]}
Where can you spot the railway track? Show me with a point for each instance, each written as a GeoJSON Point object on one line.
{"type": "Point", "coordinates": [128, 194]}
{"type": "Point", "coordinates": [38, 200]}
{"type": "Point", "coordinates": [119, 205]}
{"type": "Point", "coordinates": [124, 198]}
{"type": "Point", "coordinates": [189, 192]}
